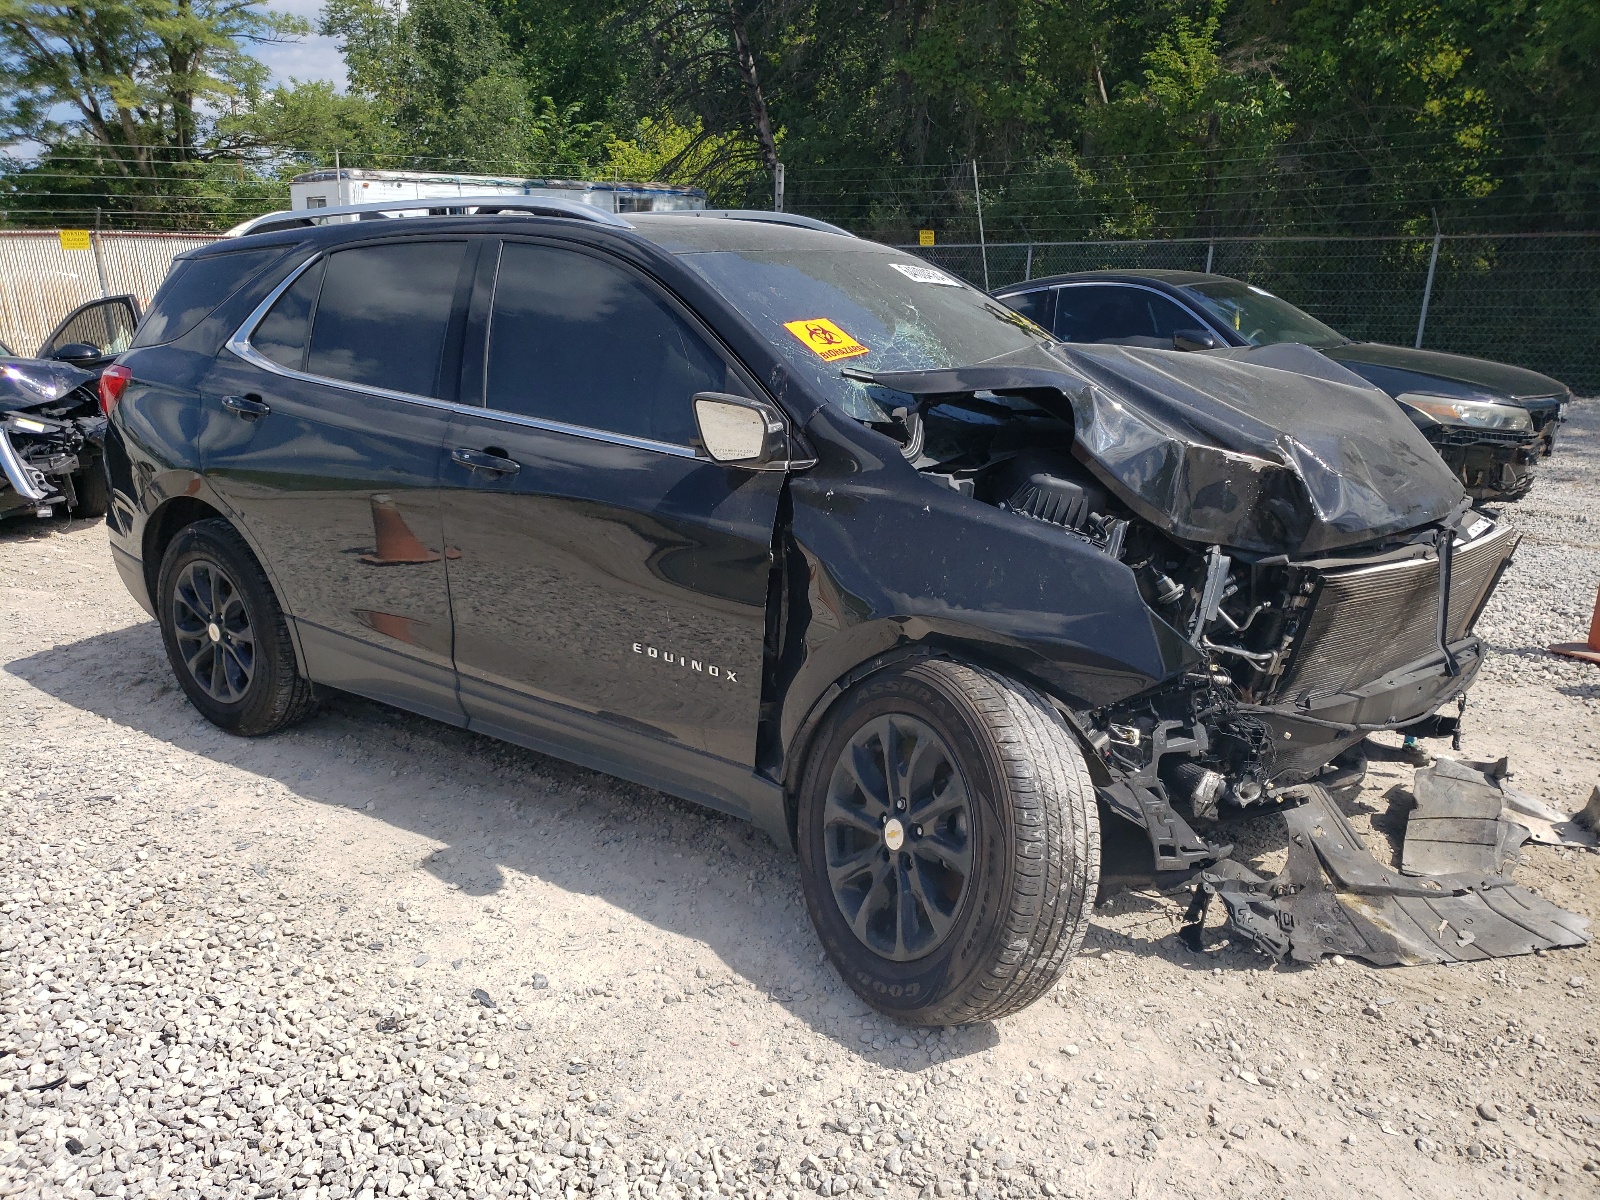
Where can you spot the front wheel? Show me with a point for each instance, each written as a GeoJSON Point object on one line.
{"type": "Point", "coordinates": [92, 490]}
{"type": "Point", "coordinates": [949, 843]}
{"type": "Point", "coordinates": [225, 634]}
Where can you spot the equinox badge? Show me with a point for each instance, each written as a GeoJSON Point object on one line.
{"type": "Point", "coordinates": [673, 659]}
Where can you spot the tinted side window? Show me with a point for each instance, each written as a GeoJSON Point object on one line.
{"type": "Point", "coordinates": [578, 340]}
{"type": "Point", "coordinates": [1117, 315]}
{"type": "Point", "coordinates": [281, 336]}
{"type": "Point", "coordinates": [107, 325]}
{"type": "Point", "coordinates": [1037, 306]}
{"type": "Point", "coordinates": [192, 291]}
{"type": "Point", "coordinates": [383, 313]}
{"type": "Point", "coordinates": [1168, 316]}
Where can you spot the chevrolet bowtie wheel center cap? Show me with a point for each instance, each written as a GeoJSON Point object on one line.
{"type": "Point", "coordinates": [894, 834]}
{"type": "Point", "coordinates": [214, 631]}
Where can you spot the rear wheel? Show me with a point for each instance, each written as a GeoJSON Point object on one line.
{"type": "Point", "coordinates": [949, 843]}
{"type": "Point", "coordinates": [225, 634]}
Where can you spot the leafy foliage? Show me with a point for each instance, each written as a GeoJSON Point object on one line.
{"type": "Point", "coordinates": [1087, 118]}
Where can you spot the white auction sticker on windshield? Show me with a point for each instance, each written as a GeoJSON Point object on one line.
{"type": "Point", "coordinates": [921, 274]}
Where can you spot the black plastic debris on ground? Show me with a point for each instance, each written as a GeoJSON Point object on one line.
{"type": "Point", "coordinates": [1460, 822]}
{"type": "Point", "coordinates": [1333, 897]}
{"type": "Point", "coordinates": [1468, 819]}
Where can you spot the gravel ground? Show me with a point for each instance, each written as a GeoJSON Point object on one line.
{"type": "Point", "coordinates": [376, 956]}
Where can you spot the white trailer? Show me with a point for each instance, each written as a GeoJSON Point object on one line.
{"type": "Point", "coordinates": [349, 185]}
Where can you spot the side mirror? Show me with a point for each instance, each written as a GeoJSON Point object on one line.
{"type": "Point", "coordinates": [78, 354]}
{"type": "Point", "coordinates": [1195, 339]}
{"type": "Point", "coordinates": [739, 432]}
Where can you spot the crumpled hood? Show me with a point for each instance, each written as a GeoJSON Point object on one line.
{"type": "Point", "coordinates": [1270, 449]}
{"type": "Point", "coordinates": [27, 382]}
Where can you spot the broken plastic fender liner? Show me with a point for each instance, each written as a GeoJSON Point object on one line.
{"type": "Point", "coordinates": [1333, 897]}
{"type": "Point", "coordinates": [825, 339]}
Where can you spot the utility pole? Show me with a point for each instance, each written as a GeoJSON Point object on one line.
{"type": "Point", "coordinates": [777, 188]}
{"type": "Point", "coordinates": [983, 245]}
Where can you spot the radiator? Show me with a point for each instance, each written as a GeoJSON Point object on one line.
{"type": "Point", "coordinates": [1369, 621]}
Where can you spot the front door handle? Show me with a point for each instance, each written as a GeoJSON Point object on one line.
{"type": "Point", "coordinates": [477, 460]}
{"type": "Point", "coordinates": [248, 407]}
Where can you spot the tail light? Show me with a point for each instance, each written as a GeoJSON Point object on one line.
{"type": "Point", "coordinates": [113, 383]}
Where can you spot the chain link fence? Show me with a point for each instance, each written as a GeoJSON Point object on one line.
{"type": "Point", "coordinates": [1528, 299]}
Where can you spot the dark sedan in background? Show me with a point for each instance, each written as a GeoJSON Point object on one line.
{"type": "Point", "coordinates": [1490, 422]}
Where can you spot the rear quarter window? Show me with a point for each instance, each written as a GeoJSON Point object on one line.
{"type": "Point", "coordinates": [193, 290]}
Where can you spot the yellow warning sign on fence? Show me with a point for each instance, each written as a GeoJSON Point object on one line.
{"type": "Point", "coordinates": [924, 237]}
{"type": "Point", "coordinates": [825, 339]}
{"type": "Point", "coordinates": [75, 239]}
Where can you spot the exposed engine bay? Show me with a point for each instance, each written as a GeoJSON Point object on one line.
{"type": "Point", "coordinates": [51, 432]}
{"type": "Point", "coordinates": [1305, 638]}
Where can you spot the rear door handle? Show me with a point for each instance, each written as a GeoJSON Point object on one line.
{"type": "Point", "coordinates": [248, 407]}
{"type": "Point", "coordinates": [477, 460]}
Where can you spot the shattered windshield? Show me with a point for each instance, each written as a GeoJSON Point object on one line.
{"type": "Point", "coordinates": [1260, 317]}
{"type": "Point", "coordinates": [865, 307]}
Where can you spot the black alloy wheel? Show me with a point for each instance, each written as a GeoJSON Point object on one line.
{"type": "Point", "coordinates": [225, 633]}
{"type": "Point", "coordinates": [213, 630]}
{"type": "Point", "coordinates": [949, 842]}
{"type": "Point", "coordinates": [897, 826]}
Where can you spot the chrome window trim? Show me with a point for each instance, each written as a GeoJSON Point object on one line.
{"type": "Point", "coordinates": [583, 431]}
{"type": "Point", "coordinates": [239, 345]}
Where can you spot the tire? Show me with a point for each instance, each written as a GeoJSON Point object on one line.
{"type": "Point", "coordinates": [225, 633]}
{"type": "Point", "coordinates": [1012, 881]}
{"type": "Point", "coordinates": [92, 489]}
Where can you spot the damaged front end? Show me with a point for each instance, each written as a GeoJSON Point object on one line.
{"type": "Point", "coordinates": [1305, 656]}
{"type": "Point", "coordinates": [51, 432]}
{"type": "Point", "coordinates": [1492, 448]}
{"type": "Point", "coordinates": [1277, 512]}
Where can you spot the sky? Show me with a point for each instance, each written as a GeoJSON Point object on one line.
{"type": "Point", "coordinates": [312, 57]}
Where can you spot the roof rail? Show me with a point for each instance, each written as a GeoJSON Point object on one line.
{"type": "Point", "coordinates": [537, 206]}
{"type": "Point", "coordinates": [757, 214]}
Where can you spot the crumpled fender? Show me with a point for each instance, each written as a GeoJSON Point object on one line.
{"type": "Point", "coordinates": [888, 558]}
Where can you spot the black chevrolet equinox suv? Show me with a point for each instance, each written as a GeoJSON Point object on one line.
{"type": "Point", "coordinates": [791, 524]}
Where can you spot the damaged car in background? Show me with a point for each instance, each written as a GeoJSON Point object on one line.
{"type": "Point", "coordinates": [771, 518]}
{"type": "Point", "coordinates": [50, 418]}
{"type": "Point", "coordinates": [1491, 422]}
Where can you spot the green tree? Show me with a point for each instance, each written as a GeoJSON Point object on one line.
{"type": "Point", "coordinates": [1189, 137]}
{"type": "Point", "coordinates": [135, 78]}
{"type": "Point", "coordinates": [451, 90]}
{"type": "Point", "coordinates": [133, 103]}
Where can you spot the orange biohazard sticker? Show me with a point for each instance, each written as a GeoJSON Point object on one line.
{"type": "Point", "coordinates": [825, 339]}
